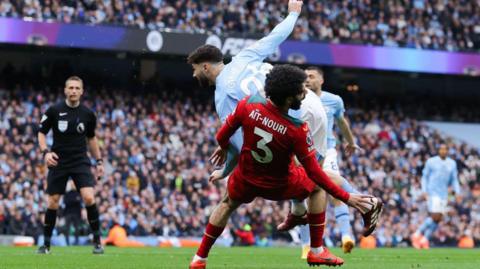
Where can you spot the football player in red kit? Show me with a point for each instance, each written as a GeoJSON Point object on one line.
{"type": "Point", "coordinates": [267, 167]}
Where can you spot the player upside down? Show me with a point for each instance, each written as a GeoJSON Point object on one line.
{"type": "Point", "coordinates": [266, 165]}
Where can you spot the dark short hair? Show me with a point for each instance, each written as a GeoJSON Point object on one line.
{"type": "Point", "coordinates": [205, 53]}
{"type": "Point", "coordinates": [74, 78]}
{"type": "Point", "coordinates": [284, 81]}
{"type": "Point", "coordinates": [315, 68]}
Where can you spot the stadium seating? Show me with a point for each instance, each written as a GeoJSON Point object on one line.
{"type": "Point", "coordinates": [421, 24]}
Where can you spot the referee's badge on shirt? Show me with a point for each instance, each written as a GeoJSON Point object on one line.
{"type": "Point", "coordinates": [80, 128]}
{"type": "Point", "coordinates": [62, 125]}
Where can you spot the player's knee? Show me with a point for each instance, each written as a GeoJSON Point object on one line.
{"type": "Point", "coordinates": [88, 200]}
{"type": "Point", "coordinates": [53, 201]}
{"type": "Point", "coordinates": [229, 204]}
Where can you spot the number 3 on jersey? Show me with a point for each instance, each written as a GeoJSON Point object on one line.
{"type": "Point", "coordinates": [262, 145]}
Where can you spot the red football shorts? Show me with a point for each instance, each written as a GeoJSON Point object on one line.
{"type": "Point", "coordinates": [299, 187]}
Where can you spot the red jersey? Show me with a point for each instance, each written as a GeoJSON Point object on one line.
{"type": "Point", "coordinates": [271, 139]}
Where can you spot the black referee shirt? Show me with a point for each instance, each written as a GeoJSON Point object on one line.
{"type": "Point", "coordinates": [71, 127]}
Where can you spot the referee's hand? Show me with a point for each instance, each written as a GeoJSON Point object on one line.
{"type": "Point", "coordinates": [100, 171]}
{"type": "Point", "coordinates": [51, 159]}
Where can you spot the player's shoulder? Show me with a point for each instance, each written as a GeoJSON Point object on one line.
{"type": "Point", "coordinates": [295, 123]}
{"type": "Point", "coordinates": [452, 161]}
{"type": "Point", "coordinates": [328, 96]}
{"type": "Point", "coordinates": [226, 80]}
{"type": "Point", "coordinates": [311, 99]}
{"type": "Point", "coordinates": [255, 99]}
{"type": "Point", "coordinates": [85, 109]}
{"type": "Point", "coordinates": [251, 102]}
{"type": "Point", "coordinates": [57, 106]}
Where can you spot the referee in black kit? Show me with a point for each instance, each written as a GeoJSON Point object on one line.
{"type": "Point", "coordinates": [73, 124]}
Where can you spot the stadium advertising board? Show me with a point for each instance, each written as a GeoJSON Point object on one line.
{"type": "Point", "coordinates": [16, 31]}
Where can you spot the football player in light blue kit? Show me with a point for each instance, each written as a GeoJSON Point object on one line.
{"type": "Point", "coordinates": [440, 173]}
{"type": "Point", "coordinates": [243, 76]}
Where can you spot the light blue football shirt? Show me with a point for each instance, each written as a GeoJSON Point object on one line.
{"type": "Point", "coordinates": [438, 175]}
{"type": "Point", "coordinates": [245, 74]}
{"type": "Point", "coordinates": [334, 108]}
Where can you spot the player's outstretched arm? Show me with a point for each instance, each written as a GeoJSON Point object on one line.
{"type": "Point", "coordinates": [344, 126]}
{"type": "Point", "coordinates": [268, 45]}
{"type": "Point", "coordinates": [425, 176]}
{"type": "Point", "coordinates": [454, 181]}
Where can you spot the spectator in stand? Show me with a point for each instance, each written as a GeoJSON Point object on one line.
{"type": "Point", "coordinates": [422, 24]}
{"type": "Point", "coordinates": [245, 235]}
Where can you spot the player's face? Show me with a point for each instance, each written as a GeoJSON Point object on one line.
{"type": "Point", "coordinates": [199, 72]}
{"type": "Point", "coordinates": [297, 101]}
{"type": "Point", "coordinates": [443, 151]}
{"type": "Point", "coordinates": [314, 80]}
{"type": "Point", "coordinates": [73, 90]}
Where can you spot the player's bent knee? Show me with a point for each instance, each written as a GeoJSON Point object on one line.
{"type": "Point", "coordinates": [53, 201]}
{"type": "Point", "coordinates": [89, 200]}
{"type": "Point", "coordinates": [229, 203]}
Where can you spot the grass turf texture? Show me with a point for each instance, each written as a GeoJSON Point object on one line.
{"type": "Point", "coordinates": [144, 258]}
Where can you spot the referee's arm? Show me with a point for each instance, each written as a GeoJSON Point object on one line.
{"type": "Point", "coordinates": [94, 148]}
{"type": "Point", "coordinates": [50, 157]}
{"type": "Point", "coordinates": [45, 126]}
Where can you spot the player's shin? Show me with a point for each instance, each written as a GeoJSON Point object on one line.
{"type": "Point", "coordinates": [316, 219]}
{"type": "Point", "coordinates": [342, 217]}
{"type": "Point", "coordinates": [49, 225]}
{"type": "Point", "coordinates": [93, 220]}
{"type": "Point", "coordinates": [430, 230]}
{"type": "Point", "coordinates": [211, 234]}
{"type": "Point", "coordinates": [217, 222]}
{"type": "Point", "coordinates": [316, 223]}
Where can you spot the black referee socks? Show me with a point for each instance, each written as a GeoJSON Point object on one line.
{"type": "Point", "coordinates": [49, 225]}
{"type": "Point", "coordinates": [93, 219]}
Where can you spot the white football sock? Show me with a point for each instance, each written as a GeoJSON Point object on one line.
{"type": "Point", "coordinates": [316, 250]}
{"type": "Point", "coordinates": [198, 258]}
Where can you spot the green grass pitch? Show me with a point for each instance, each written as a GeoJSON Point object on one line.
{"type": "Point", "coordinates": [144, 258]}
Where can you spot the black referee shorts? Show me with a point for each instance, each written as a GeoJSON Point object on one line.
{"type": "Point", "coordinates": [58, 177]}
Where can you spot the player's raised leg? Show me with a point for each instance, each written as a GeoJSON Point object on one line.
{"type": "Point", "coordinates": [370, 218]}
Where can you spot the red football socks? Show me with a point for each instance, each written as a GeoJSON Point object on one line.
{"type": "Point", "coordinates": [209, 237]}
{"type": "Point", "coordinates": [316, 223]}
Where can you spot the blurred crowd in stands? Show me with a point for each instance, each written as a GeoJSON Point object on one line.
{"type": "Point", "coordinates": [156, 148]}
{"type": "Point", "coordinates": [452, 25]}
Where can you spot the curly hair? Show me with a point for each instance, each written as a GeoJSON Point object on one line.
{"type": "Point", "coordinates": [284, 81]}
{"type": "Point", "coordinates": [205, 53]}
